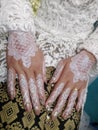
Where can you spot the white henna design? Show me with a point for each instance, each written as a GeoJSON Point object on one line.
{"type": "Point", "coordinates": [10, 82]}
{"type": "Point", "coordinates": [44, 72]}
{"type": "Point", "coordinates": [22, 47]}
{"type": "Point", "coordinates": [62, 101]}
{"type": "Point", "coordinates": [55, 94]}
{"type": "Point", "coordinates": [80, 66]}
{"type": "Point", "coordinates": [82, 99]}
{"type": "Point", "coordinates": [34, 94]}
{"type": "Point", "coordinates": [24, 89]}
{"type": "Point", "coordinates": [58, 71]}
{"type": "Point", "coordinates": [71, 103]}
{"type": "Point", "coordinates": [40, 86]}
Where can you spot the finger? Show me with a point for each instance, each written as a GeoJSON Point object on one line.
{"type": "Point", "coordinates": [81, 99]}
{"type": "Point", "coordinates": [55, 93]}
{"type": "Point", "coordinates": [71, 103]}
{"type": "Point", "coordinates": [44, 72]}
{"type": "Point", "coordinates": [61, 102]}
{"type": "Point", "coordinates": [40, 86]}
{"type": "Point", "coordinates": [25, 92]}
{"type": "Point", "coordinates": [11, 81]}
{"type": "Point", "coordinates": [57, 72]}
{"type": "Point", "coordinates": [34, 95]}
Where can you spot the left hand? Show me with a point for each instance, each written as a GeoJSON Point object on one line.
{"type": "Point", "coordinates": [70, 80]}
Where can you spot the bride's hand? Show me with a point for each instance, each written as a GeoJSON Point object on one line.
{"type": "Point", "coordinates": [26, 60]}
{"type": "Point", "coordinates": [70, 78]}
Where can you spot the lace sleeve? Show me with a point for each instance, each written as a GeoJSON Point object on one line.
{"type": "Point", "coordinates": [16, 15]}
{"type": "Point", "coordinates": [91, 45]}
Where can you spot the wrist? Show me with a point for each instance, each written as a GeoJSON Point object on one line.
{"type": "Point", "coordinates": [90, 55]}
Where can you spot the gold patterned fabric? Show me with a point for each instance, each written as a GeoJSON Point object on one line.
{"type": "Point", "coordinates": [14, 117]}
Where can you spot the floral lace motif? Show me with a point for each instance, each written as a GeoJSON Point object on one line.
{"type": "Point", "coordinates": [16, 15]}
{"type": "Point", "coordinates": [34, 93]}
{"type": "Point", "coordinates": [61, 27]}
{"type": "Point", "coordinates": [22, 47]}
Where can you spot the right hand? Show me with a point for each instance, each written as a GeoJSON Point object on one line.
{"type": "Point", "coordinates": [26, 60]}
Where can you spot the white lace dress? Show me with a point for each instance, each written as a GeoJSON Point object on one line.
{"type": "Point", "coordinates": [61, 28]}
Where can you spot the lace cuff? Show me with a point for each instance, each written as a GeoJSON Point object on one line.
{"type": "Point", "coordinates": [91, 45]}
{"type": "Point", "coordinates": [16, 15]}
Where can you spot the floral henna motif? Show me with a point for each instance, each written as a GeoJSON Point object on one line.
{"type": "Point", "coordinates": [62, 101]}
{"type": "Point", "coordinates": [22, 47]}
{"type": "Point", "coordinates": [58, 71]}
{"type": "Point", "coordinates": [71, 103]}
{"type": "Point", "coordinates": [80, 66]}
{"type": "Point", "coordinates": [34, 94]}
{"type": "Point", "coordinates": [82, 99]}
{"type": "Point", "coordinates": [11, 83]}
{"type": "Point", "coordinates": [40, 86]}
{"type": "Point", "coordinates": [54, 95]}
{"type": "Point", "coordinates": [24, 89]}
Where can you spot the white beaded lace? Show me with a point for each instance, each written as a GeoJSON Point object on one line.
{"type": "Point", "coordinates": [61, 27]}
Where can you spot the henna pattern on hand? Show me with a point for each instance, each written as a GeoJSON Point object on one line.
{"type": "Point", "coordinates": [80, 66]}
{"type": "Point", "coordinates": [54, 95]}
{"type": "Point", "coordinates": [40, 85]}
{"type": "Point", "coordinates": [10, 81]}
{"type": "Point", "coordinates": [57, 72]}
{"type": "Point", "coordinates": [34, 94]}
{"type": "Point", "coordinates": [22, 47]}
{"type": "Point", "coordinates": [81, 99]}
{"type": "Point", "coordinates": [71, 103]}
{"type": "Point", "coordinates": [24, 89]}
{"type": "Point", "coordinates": [61, 102]}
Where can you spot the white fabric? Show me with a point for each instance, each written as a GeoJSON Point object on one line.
{"type": "Point", "coordinates": [16, 15]}
{"type": "Point", "coordinates": [85, 122]}
{"type": "Point", "coordinates": [60, 27]}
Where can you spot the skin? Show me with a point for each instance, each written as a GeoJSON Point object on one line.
{"type": "Point", "coordinates": [72, 90]}
{"type": "Point", "coordinates": [37, 68]}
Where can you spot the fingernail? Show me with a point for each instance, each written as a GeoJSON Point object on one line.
{"type": "Point", "coordinates": [12, 95]}
{"type": "Point", "coordinates": [55, 114]}
{"type": "Point", "coordinates": [66, 116]}
{"type": "Point", "coordinates": [28, 107]}
{"type": "Point", "coordinates": [78, 109]}
{"type": "Point", "coordinates": [37, 110]}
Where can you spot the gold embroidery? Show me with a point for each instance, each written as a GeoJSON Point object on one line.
{"type": "Point", "coordinates": [13, 115]}
{"type": "Point", "coordinates": [14, 126]}
{"type": "Point", "coordinates": [3, 93]}
{"type": "Point", "coordinates": [69, 125]}
{"type": "Point", "coordinates": [28, 119]}
{"type": "Point", "coordinates": [9, 112]}
{"type": "Point", "coordinates": [35, 128]}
